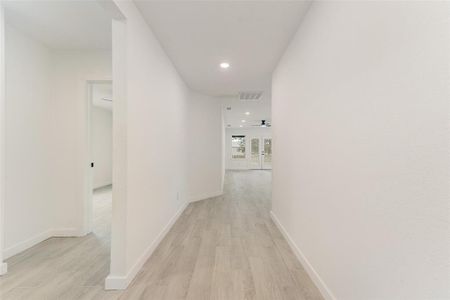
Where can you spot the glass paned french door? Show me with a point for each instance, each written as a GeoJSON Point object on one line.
{"type": "Point", "coordinates": [267, 155]}
{"type": "Point", "coordinates": [255, 153]}
{"type": "Point", "coordinates": [260, 153]}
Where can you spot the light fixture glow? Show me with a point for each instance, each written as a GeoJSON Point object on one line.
{"type": "Point", "coordinates": [240, 126]}
{"type": "Point", "coordinates": [247, 113]}
{"type": "Point", "coordinates": [224, 65]}
{"type": "Point", "coordinates": [243, 121]}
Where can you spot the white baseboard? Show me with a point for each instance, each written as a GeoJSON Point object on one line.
{"type": "Point", "coordinates": [3, 268]}
{"type": "Point", "coordinates": [24, 245]}
{"type": "Point", "coordinates": [117, 282]}
{"type": "Point", "coordinates": [102, 185]}
{"type": "Point", "coordinates": [324, 290]}
{"type": "Point", "coordinates": [205, 196]}
{"type": "Point", "coordinates": [67, 232]}
{"type": "Point", "coordinates": [113, 282]}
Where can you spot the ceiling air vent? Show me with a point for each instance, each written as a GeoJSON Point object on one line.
{"type": "Point", "coordinates": [250, 96]}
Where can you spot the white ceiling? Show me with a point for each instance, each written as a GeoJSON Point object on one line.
{"type": "Point", "coordinates": [62, 24]}
{"type": "Point", "coordinates": [259, 110]}
{"type": "Point", "coordinates": [197, 36]}
{"type": "Point", "coordinates": [250, 35]}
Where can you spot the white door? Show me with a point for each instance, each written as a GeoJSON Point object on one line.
{"type": "Point", "coordinates": [267, 153]}
{"type": "Point", "coordinates": [255, 153]}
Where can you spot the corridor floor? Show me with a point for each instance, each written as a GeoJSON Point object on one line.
{"type": "Point", "coordinates": [64, 268]}
{"type": "Point", "coordinates": [221, 248]}
{"type": "Point", "coordinates": [226, 248]}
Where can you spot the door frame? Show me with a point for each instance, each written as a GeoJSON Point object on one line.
{"type": "Point", "coordinates": [261, 151]}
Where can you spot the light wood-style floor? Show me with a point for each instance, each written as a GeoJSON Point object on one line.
{"type": "Point", "coordinates": [221, 248]}
{"type": "Point", "coordinates": [64, 268]}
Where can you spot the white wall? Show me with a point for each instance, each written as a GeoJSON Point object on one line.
{"type": "Point", "coordinates": [156, 145]}
{"type": "Point", "coordinates": [152, 109]}
{"type": "Point", "coordinates": [242, 164]}
{"type": "Point", "coordinates": [46, 149]}
{"type": "Point", "coordinates": [204, 147]}
{"type": "Point", "coordinates": [71, 71]}
{"type": "Point", "coordinates": [28, 207]}
{"type": "Point", "coordinates": [361, 166]}
{"type": "Point", "coordinates": [156, 137]}
{"type": "Point", "coordinates": [101, 143]}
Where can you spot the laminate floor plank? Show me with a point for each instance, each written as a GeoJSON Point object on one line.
{"type": "Point", "coordinates": [225, 247]}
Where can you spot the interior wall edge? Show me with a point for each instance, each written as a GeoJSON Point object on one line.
{"type": "Point", "coordinates": [3, 266]}
{"type": "Point", "coordinates": [111, 7]}
{"type": "Point", "coordinates": [119, 146]}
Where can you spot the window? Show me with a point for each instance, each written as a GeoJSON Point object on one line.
{"type": "Point", "coordinates": [238, 146]}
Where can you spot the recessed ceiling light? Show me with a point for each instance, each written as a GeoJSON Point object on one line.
{"type": "Point", "coordinates": [224, 65]}
{"type": "Point", "coordinates": [243, 121]}
{"type": "Point", "coordinates": [247, 113]}
{"type": "Point", "coordinates": [240, 126]}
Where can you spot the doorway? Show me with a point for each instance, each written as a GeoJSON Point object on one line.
{"type": "Point", "coordinates": [260, 153]}
{"type": "Point", "coordinates": [99, 174]}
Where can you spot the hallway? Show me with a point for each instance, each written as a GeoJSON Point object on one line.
{"type": "Point", "coordinates": [187, 107]}
{"type": "Point", "coordinates": [221, 248]}
{"type": "Point", "coordinates": [225, 248]}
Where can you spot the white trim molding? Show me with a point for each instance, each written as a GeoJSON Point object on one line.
{"type": "Point", "coordinates": [205, 196]}
{"type": "Point", "coordinates": [24, 245]}
{"type": "Point", "coordinates": [113, 282]}
{"type": "Point", "coordinates": [3, 268]}
{"type": "Point", "coordinates": [320, 284]}
{"type": "Point", "coordinates": [68, 232]}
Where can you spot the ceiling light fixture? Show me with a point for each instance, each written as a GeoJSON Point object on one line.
{"type": "Point", "coordinates": [224, 65]}
{"type": "Point", "coordinates": [247, 113]}
{"type": "Point", "coordinates": [243, 121]}
{"type": "Point", "coordinates": [240, 126]}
